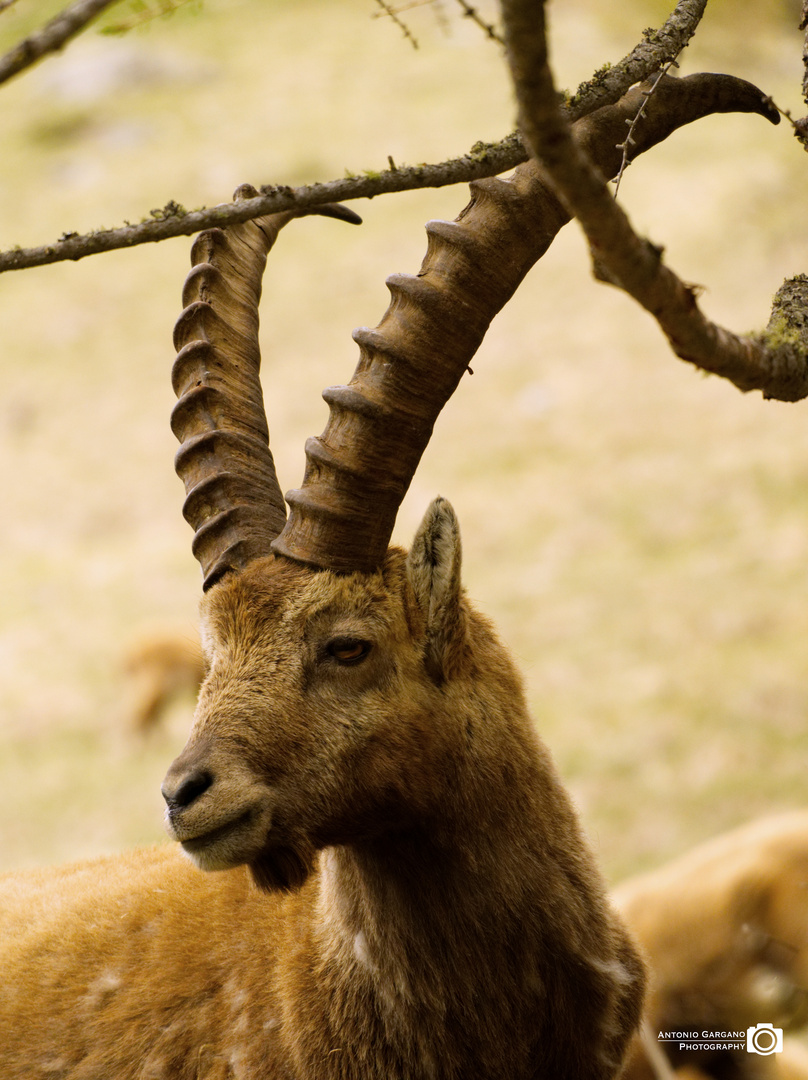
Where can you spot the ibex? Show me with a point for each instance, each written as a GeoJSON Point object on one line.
{"type": "Point", "coordinates": [402, 888]}
{"type": "Point", "coordinates": [161, 667]}
{"type": "Point", "coordinates": [725, 930]}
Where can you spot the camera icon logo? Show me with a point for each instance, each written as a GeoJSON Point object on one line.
{"type": "Point", "coordinates": [764, 1039]}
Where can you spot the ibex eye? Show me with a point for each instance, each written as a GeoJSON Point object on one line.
{"type": "Point", "coordinates": [348, 650]}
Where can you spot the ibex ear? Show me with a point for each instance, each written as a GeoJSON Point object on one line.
{"type": "Point", "coordinates": [433, 569]}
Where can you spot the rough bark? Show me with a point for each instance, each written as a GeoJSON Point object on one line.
{"type": "Point", "coordinates": [775, 364]}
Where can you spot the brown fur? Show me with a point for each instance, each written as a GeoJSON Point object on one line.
{"type": "Point", "coordinates": [725, 929]}
{"type": "Point", "coordinates": [417, 901]}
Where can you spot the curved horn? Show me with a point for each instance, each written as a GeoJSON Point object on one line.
{"type": "Point", "coordinates": [359, 469]}
{"type": "Point", "coordinates": [233, 500]}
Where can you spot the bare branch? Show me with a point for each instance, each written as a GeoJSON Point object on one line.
{"type": "Point", "coordinates": [484, 159]}
{"type": "Point", "coordinates": [52, 37]}
{"type": "Point", "coordinates": [472, 13]}
{"type": "Point", "coordinates": [775, 362]}
{"type": "Point", "coordinates": [799, 127]}
{"type": "Point", "coordinates": [410, 5]}
{"type": "Point", "coordinates": [657, 48]}
{"type": "Point", "coordinates": [630, 140]}
{"type": "Point", "coordinates": [393, 14]}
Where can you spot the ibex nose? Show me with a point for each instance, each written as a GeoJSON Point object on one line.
{"type": "Point", "coordinates": [182, 789]}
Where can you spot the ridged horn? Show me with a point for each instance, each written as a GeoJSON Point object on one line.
{"type": "Point", "coordinates": [359, 469]}
{"type": "Point", "coordinates": [233, 499]}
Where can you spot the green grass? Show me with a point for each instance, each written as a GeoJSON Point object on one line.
{"type": "Point", "coordinates": [639, 533]}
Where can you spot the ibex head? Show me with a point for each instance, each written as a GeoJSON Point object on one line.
{"type": "Point", "coordinates": [318, 722]}
{"type": "Point", "coordinates": [329, 655]}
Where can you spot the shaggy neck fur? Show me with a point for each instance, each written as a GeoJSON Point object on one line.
{"type": "Point", "coordinates": [437, 931]}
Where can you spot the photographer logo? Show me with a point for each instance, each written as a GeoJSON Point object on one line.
{"type": "Point", "coordinates": [761, 1039]}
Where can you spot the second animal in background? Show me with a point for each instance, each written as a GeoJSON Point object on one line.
{"type": "Point", "coordinates": [725, 931]}
{"type": "Point", "coordinates": [161, 669]}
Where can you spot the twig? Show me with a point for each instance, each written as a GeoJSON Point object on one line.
{"type": "Point", "coordinates": [52, 37]}
{"type": "Point", "coordinates": [800, 127]}
{"type": "Point", "coordinates": [630, 141]}
{"type": "Point", "coordinates": [474, 15]}
{"type": "Point", "coordinates": [482, 160]}
{"type": "Point", "coordinates": [388, 10]}
{"type": "Point", "coordinates": [775, 362]}
{"type": "Point", "coordinates": [409, 6]}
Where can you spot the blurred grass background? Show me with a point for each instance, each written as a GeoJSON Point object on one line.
{"type": "Point", "coordinates": [638, 532]}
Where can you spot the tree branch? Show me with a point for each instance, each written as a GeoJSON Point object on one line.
{"type": "Point", "coordinates": [484, 159]}
{"type": "Point", "coordinates": [775, 362]}
{"type": "Point", "coordinates": [657, 48]}
{"type": "Point", "coordinates": [52, 37]}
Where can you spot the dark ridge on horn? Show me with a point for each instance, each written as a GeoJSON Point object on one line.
{"type": "Point", "coordinates": [358, 471]}
{"type": "Point", "coordinates": [233, 499]}
{"type": "Point", "coordinates": [349, 399]}
{"type": "Point", "coordinates": [322, 455]}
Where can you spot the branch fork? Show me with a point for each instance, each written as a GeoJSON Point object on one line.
{"type": "Point", "coordinates": [775, 362]}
